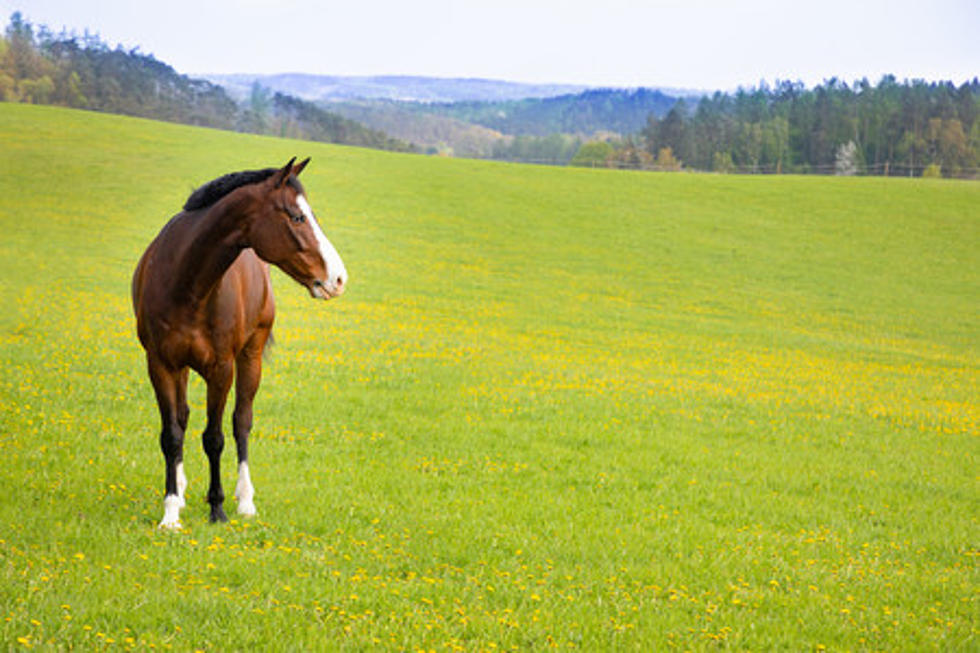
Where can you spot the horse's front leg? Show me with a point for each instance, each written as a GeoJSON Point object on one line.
{"type": "Point", "coordinates": [219, 382]}
{"type": "Point", "coordinates": [166, 385]}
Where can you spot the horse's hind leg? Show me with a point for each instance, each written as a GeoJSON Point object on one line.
{"type": "Point", "coordinates": [248, 374]}
{"type": "Point", "coordinates": [183, 414]}
{"type": "Point", "coordinates": [219, 382]}
{"type": "Point", "coordinates": [165, 384]}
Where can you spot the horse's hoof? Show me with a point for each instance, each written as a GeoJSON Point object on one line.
{"type": "Point", "coordinates": [246, 509]}
{"type": "Point", "coordinates": [171, 512]}
{"type": "Point", "coordinates": [218, 515]}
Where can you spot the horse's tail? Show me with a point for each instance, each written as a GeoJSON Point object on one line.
{"type": "Point", "coordinates": [270, 342]}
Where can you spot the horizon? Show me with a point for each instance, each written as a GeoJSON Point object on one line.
{"type": "Point", "coordinates": [767, 82]}
{"type": "Point", "coordinates": [709, 45]}
{"type": "Point", "coordinates": [208, 75]}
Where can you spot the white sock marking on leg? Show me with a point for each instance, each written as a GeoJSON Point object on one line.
{"type": "Point", "coordinates": [181, 483]}
{"type": "Point", "coordinates": [171, 512]}
{"type": "Point", "coordinates": [244, 491]}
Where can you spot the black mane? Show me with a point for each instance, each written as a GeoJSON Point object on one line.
{"type": "Point", "coordinates": [214, 190]}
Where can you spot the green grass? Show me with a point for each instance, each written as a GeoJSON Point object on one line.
{"type": "Point", "coordinates": [557, 407]}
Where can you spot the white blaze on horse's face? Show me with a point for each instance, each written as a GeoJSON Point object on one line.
{"type": "Point", "coordinates": [336, 281]}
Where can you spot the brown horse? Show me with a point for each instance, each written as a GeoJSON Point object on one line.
{"type": "Point", "coordinates": [203, 300]}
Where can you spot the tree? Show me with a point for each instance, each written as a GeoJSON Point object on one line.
{"type": "Point", "coordinates": [258, 107]}
{"type": "Point", "coordinates": [22, 56]}
{"type": "Point", "coordinates": [629, 154]}
{"type": "Point", "coordinates": [947, 144]}
{"type": "Point", "coordinates": [722, 162]}
{"type": "Point", "coordinates": [775, 143]}
{"type": "Point", "coordinates": [846, 161]}
{"type": "Point", "coordinates": [672, 130]}
{"type": "Point", "coordinates": [911, 151]}
{"type": "Point", "coordinates": [36, 91]}
{"type": "Point", "coordinates": [932, 171]}
{"type": "Point", "coordinates": [748, 146]}
{"type": "Point", "coordinates": [592, 154]}
{"type": "Point", "coordinates": [8, 88]}
{"type": "Point", "coordinates": [667, 161]}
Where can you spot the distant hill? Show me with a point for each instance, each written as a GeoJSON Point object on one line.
{"type": "Point", "coordinates": [338, 88]}
{"type": "Point", "coordinates": [620, 111]}
{"type": "Point", "coordinates": [431, 132]}
{"type": "Point", "coordinates": [482, 129]}
{"type": "Point", "coordinates": [465, 117]}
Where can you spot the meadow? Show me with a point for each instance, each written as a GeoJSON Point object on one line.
{"type": "Point", "coordinates": [557, 408]}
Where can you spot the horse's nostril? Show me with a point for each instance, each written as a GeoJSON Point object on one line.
{"type": "Point", "coordinates": [340, 281]}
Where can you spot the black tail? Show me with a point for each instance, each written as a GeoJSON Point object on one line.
{"type": "Point", "coordinates": [270, 342]}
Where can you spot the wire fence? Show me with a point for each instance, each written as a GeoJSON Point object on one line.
{"type": "Point", "coordinates": [830, 169]}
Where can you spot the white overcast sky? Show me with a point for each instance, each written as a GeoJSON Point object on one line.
{"type": "Point", "coordinates": [699, 44]}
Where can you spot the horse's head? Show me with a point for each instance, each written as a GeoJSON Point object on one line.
{"type": "Point", "coordinates": [285, 232]}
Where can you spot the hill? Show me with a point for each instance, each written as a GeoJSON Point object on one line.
{"type": "Point", "coordinates": [39, 67]}
{"type": "Point", "coordinates": [404, 88]}
{"type": "Point", "coordinates": [621, 111]}
{"type": "Point", "coordinates": [591, 409]}
{"type": "Point", "coordinates": [547, 129]}
{"type": "Point", "coordinates": [468, 117]}
{"type": "Point", "coordinates": [432, 132]}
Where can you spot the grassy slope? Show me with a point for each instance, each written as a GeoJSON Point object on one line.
{"type": "Point", "coordinates": [578, 407]}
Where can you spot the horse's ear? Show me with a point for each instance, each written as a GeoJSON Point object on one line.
{"type": "Point", "coordinates": [299, 168]}
{"type": "Point", "coordinates": [279, 180]}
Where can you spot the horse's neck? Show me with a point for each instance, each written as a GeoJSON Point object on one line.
{"type": "Point", "coordinates": [215, 244]}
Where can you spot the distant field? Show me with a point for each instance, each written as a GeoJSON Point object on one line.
{"type": "Point", "coordinates": [557, 408]}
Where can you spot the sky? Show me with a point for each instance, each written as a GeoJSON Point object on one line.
{"type": "Point", "coordinates": [692, 44]}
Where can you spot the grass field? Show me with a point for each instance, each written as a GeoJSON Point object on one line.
{"type": "Point", "coordinates": [556, 408]}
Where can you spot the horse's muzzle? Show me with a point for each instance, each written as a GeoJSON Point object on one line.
{"type": "Point", "coordinates": [328, 289]}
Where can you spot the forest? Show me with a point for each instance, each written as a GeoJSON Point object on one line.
{"type": "Point", "coordinates": [40, 67]}
{"type": "Point", "coordinates": [908, 128]}
{"type": "Point", "coordinates": [893, 128]}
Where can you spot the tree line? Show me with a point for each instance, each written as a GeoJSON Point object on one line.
{"type": "Point", "coordinates": [40, 67]}
{"type": "Point", "coordinates": [892, 128]}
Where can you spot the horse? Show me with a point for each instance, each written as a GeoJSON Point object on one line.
{"type": "Point", "coordinates": [203, 301]}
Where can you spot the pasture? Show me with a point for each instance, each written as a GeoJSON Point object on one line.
{"type": "Point", "coordinates": [558, 408]}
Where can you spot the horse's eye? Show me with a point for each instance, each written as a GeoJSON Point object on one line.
{"type": "Point", "coordinates": [297, 218]}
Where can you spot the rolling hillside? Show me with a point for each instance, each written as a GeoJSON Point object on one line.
{"type": "Point", "coordinates": [39, 67]}
{"type": "Point", "coordinates": [621, 111]}
{"type": "Point", "coordinates": [467, 117]}
{"type": "Point", "coordinates": [479, 129]}
{"type": "Point", "coordinates": [557, 407]}
{"type": "Point", "coordinates": [429, 131]}
{"type": "Point", "coordinates": [338, 88]}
